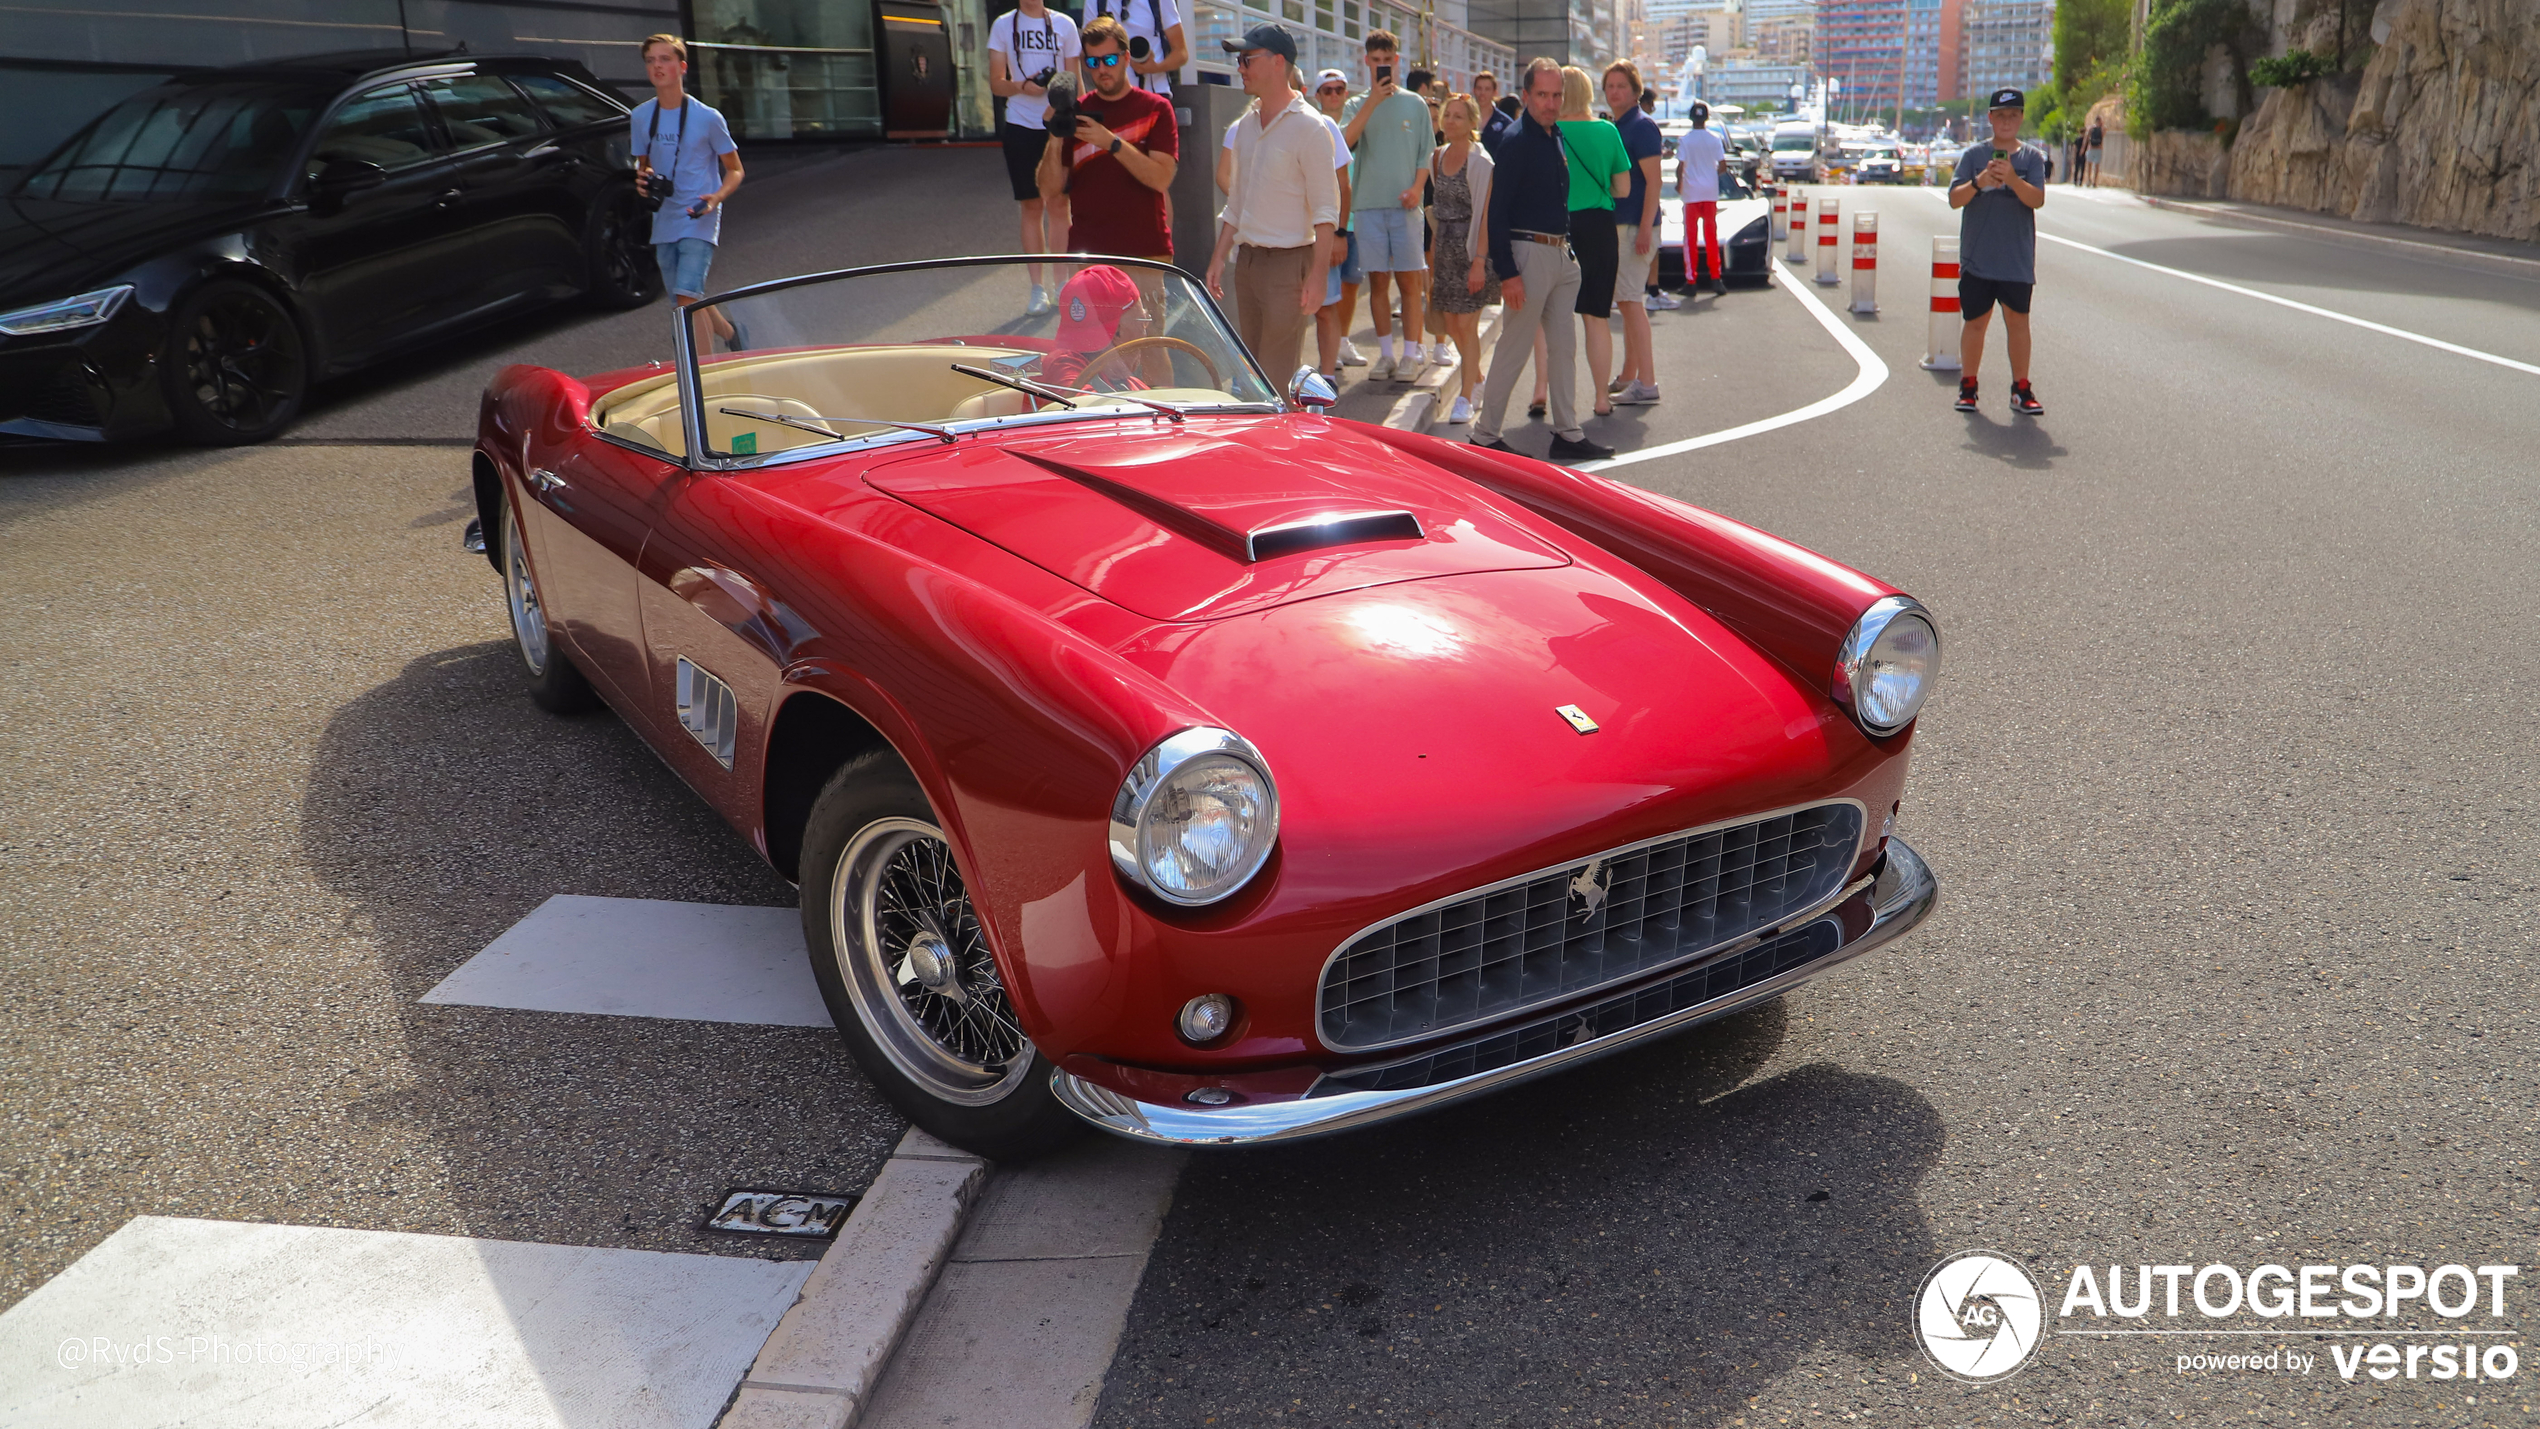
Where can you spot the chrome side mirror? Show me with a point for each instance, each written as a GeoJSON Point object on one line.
{"type": "Point", "coordinates": [1310, 388]}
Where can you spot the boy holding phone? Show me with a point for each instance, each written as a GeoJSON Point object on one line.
{"type": "Point", "coordinates": [1390, 136]}
{"type": "Point", "coordinates": [1998, 190]}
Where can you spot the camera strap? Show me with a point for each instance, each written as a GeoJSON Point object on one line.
{"type": "Point", "coordinates": [678, 141]}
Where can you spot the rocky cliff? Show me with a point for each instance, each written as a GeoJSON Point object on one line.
{"type": "Point", "coordinates": [2441, 129]}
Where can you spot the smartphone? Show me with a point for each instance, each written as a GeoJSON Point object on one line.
{"type": "Point", "coordinates": [1384, 74]}
{"type": "Point", "coordinates": [2001, 153]}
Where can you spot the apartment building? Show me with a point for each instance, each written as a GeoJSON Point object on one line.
{"type": "Point", "coordinates": [2009, 42]}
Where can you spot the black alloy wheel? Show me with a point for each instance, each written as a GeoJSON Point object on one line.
{"type": "Point", "coordinates": [236, 369]}
{"type": "Point", "coordinates": [619, 253]}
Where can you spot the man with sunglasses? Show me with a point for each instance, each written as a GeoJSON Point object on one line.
{"type": "Point", "coordinates": [1115, 168]}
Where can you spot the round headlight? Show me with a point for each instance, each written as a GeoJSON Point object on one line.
{"type": "Point", "coordinates": [1887, 664]}
{"type": "Point", "coordinates": [1196, 817]}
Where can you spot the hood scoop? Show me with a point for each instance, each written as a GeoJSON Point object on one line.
{"type": "Point", "coordinates": [1195, 525]}
{"type": "Point", "coordinates": [1261, 543]}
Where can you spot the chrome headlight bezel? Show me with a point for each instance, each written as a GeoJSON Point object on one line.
{"type": "Point", "coordinates": [1852, 663]}
{"type": "Point", "coordinates": [65, 314]}
{"type": "Point", "coordinates": [1129, 808]}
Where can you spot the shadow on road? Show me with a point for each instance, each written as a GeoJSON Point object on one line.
{"type": "Point", "coordinates": [2018, 442]}
{"type": "Point", "coordinates": [445, 806]}
{"type": "Point", "coordinates": [1649, 1237]}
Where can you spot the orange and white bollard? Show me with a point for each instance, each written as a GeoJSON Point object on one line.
{"type": "Point", "coordinates": [1781, 211]}
{"type": "Point", "coordinates": [1798, 229]}
{"type": "Point", "coordinates": [1865, 262]}
{"type": "Point", "coordinates": [1943, 356]}
{"type": "Point", "coordinates": [1829, 239]}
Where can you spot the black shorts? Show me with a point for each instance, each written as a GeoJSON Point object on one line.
{"type": "Point", "coordinates": [1023, 150]}
{"type": "Point", "coordinates": [1976, 296]}
{"type": "Point", "coordinates": [1592, 239]}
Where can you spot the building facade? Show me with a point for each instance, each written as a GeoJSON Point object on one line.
{"type": "Point", "coordinates": [1935, 52]}
{"type": "Point", "coordinates": [1862, 45]}
{"type": "Point", "coordinates": [2009, 43]}
{"type": "Point", "coordinates": [1752, 86]}
{"type": "Point", "coordinates": [1781, 31]}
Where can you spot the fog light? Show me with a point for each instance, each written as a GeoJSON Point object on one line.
{"type": "Point", "coordinates": [1206, 1018]}
{"type": "Point", "coordinates": [1208, 1096]}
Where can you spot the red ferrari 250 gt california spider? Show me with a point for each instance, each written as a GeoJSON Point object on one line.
{"type": "Point", "coordinates": [1154, 750]}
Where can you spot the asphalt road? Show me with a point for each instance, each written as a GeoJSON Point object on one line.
{"type": "Point", "coordinates": [2229, 785]}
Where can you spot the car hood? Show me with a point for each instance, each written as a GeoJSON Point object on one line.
{"type": "Point", "coordinates": [1218, 519]}
{"type": "Point", "coordinates": [1417, 735]}
{"type": "Point", "coordinates": [53, 248]}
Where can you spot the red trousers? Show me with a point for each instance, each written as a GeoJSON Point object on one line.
{"type": "Point", "coordinates": [1702, 216]}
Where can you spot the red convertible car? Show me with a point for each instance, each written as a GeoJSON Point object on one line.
{"type": "Point", "coordinates": [1154, 750]}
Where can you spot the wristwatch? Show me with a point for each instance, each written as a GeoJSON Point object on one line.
{"type": "Point", "coordinates": [1115, 145]}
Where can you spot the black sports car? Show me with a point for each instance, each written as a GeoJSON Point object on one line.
{"type": "Point", "coordinates": [1746, 237]}
{"type": "Point", "coordinates": [200, 253]}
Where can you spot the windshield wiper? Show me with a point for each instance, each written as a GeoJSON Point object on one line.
{"type": "Point", "coordinates": [1168, 409]}
{"type": "Point", "coordinates": [1024, 385]}
{"type": "Point", "coordinates": [783, 420]}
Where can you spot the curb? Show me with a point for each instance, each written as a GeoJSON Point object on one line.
{"type": "Point", "coordinates": [2414, 248]}
{"type": "Point", "coordinates": [819, 1368]}
{"type": "Point", "coordinates": [1418, 409]}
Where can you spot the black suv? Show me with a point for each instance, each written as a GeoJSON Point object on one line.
{"type": "Point", "coordinates": [200, 253]}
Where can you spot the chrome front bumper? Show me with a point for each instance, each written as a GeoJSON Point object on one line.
{"type": "Point", "coordinates": [1902, 895]}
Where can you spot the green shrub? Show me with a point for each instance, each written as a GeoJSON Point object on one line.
{"type": "Point", "coordinates": [2288, 69]}
{"type": "Point", "coordinates": [2166, 86]}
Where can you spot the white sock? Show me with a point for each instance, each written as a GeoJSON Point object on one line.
{"type": "Point", "coordinates": [1384, 344]}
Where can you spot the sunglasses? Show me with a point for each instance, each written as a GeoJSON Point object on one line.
{"type": "Point", "coordinates": [1104, 61]}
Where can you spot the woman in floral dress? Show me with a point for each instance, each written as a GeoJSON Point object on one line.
{"type": "Point", "coordinates": [1462, 283]}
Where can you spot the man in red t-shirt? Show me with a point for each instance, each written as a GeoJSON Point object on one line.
{"type": "Point", "coordinates": [1121, 158]}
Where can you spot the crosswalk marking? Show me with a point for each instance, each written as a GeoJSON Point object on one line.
{"type": "Point", "coordinates": [646, 957]}
{"type": "Point", "coordinates": [226, 1323]}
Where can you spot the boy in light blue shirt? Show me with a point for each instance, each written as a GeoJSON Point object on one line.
{"type": "Point", "coordinates": [688, 143]}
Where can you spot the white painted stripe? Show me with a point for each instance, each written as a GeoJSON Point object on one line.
{"type": "Point", "coordinates": [644, 957]}
{"type": "Point", "coordinates": [2330, 313]}
{"type": "Point", "coordinates": [425, 1330]}
{"type": "Point", "coordinates": [1866, 381]}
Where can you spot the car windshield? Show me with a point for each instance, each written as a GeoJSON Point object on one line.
{"type": "Point", "coordinates": [928, 350]}
{"type": "Point", "coordinates": [1790, 143]}
{"type": "Point", "coordinates": [182, 141]}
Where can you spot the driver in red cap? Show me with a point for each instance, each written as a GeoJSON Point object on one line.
{"type": "Point", "coordinates": [1098, 309]}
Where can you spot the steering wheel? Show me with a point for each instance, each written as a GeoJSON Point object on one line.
{"type": "Point", "coordinates": [1215, 378]}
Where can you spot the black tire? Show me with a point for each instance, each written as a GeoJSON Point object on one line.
{"type": "Point", "coordinates": [935, 1033]}
{"type": "Point", "coordinates": [556, 685]}
{"type": "Point", "coordinates": [618, 254]}
{"type": "Point", "coordinates": [236, 368]}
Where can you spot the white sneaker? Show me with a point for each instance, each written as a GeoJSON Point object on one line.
{"type": "Point", "coordinates": [1407, 367]}
{"type": "Point", "coordinates": [1381, 370]}
{"type": "Point", "coordinates": [1441, 354]}
{"type": "Point", "coordinates": [1664, 301]}
{"type": "Point", "coordinates": [1350, 355]}
{"type": "Point", "coordinates": [1462, 411]}
{"type": "Point", "coordinates": [1040, 303]}
{"type": "Point", "coordinates": [1636, 394]}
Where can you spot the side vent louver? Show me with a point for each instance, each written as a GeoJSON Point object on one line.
{"type": "Point", "coordinates": [706, 711]}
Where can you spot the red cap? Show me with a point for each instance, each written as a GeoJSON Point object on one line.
{"type": "Point", "coordinates": [1089, 308]}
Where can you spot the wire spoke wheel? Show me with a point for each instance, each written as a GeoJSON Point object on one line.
{"type": "Point", "coordinates": [241, 361]}
{"type": "Point", "coordinates": [914, 960]}
{"type": "Point", "coordinates": [520, 590]}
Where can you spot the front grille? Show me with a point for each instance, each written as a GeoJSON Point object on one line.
{"type": "Point", "coordinates": [1722, 976]}
{"type": "Point", "coordinates": [1565, 931]}
{"type": "Point", "coordinates": [66, 400]}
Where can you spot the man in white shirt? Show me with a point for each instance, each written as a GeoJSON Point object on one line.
{"type": "Point", "coordinates": [1278, 220]}
{"type": "Point", "coordinates": [1028, 46]}
{"type": "Point", "coordinates": [1155, 31]}
{"type": "Point", "coordinates": [1700, 160]}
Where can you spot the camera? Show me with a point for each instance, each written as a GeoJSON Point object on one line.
{"type": "Point", "coordinates": [656, 188]}
{"type": "Point", "coordinates": [1139, 49]}
{"type": "Point", "coordinates": [1043, 78]}
{"type": "Point", "coordinates": [1063, 94]}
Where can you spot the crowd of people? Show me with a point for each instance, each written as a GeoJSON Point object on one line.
{"type": "Point", "coordinates": [1433, 204]}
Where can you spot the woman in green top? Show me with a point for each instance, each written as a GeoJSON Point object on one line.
{"type": "Point", "coordinates": [1600, 172]}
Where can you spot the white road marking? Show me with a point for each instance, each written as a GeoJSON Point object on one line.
{"type": "Point", "coordinates": [644, 957]}
{"type": "Point", "coordinates": [1866, 381]}
{"type": "Point", "coordinates": [193, 1321]}
{"type": "Point", "coordinates": [2383, 328]}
